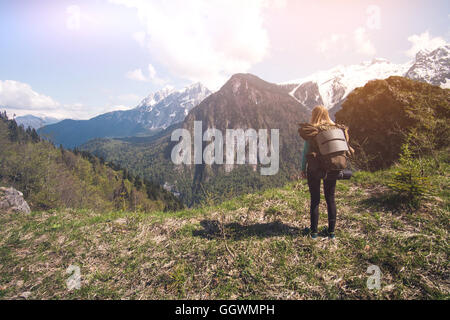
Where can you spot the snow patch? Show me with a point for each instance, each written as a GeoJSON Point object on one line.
{"type": "Point", "coordinates": [446, 84]}
{"type": "Point", "coordinates": [331, 82]}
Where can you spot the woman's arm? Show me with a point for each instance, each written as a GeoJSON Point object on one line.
{"type": "Point", "coordinates": [305, 152]}
{"type": "Point", "coordinates": [347, 138]}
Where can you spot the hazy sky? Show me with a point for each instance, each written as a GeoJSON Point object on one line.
{"type": "Point", "coordinates": [81, 58]}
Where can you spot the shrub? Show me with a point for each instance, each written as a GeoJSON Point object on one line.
{"type": "Point", "coordinates": [408, 180]}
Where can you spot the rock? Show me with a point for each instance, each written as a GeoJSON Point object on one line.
{"type": "Point", "coordinates": [121, 221]}
{"type": "Point", "coordinates": [25, 294]}
{"type": "Point", "coordinates": [11, 200]}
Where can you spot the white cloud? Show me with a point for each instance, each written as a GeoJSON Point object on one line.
{"type": "Point", "coordinates": [363, 44]}
{"type": "Point", "coordinates": [129, 98]}
{"type": "Point", "coordinates": [339, 43]}
{"type": "Point", "coordinates": [73, 21]}
{"type": "Point", "coordinates": [152, 71]}
{"type": "Point", "coordinates": [204, 40]}
{"type": "Point", "coordinates": [138, 75]}
{"type": "Point", "coordinates": [20, 99]}
{"type": "Point", "coordinates": [373, 17]}
{"type": "Point", "coordinates": [140, 38]}
{"type": "Point", "coordinates": [20, 95]}
{"type": "Point", "coordinates": [333, 44]}
{"type": "Point", "coordinates": [424, 41]}
{"type": "Point", "coordinates": [277, 4]}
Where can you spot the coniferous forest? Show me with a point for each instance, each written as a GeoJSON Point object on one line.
{"type": "Point", "coordinates": [51, 177]}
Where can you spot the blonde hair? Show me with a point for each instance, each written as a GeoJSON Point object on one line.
{"type": "Point", "coordinates": [320, 116]}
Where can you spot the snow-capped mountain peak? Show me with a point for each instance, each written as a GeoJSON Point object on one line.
{"type": "Point", "coordinates": [331, 87]}
{"type": "Point", "coordinates": [432, 67]}
{"type": "Point", "coordinates": [156, 97]}
{"type": "Point", "coordinates": [168, 106]}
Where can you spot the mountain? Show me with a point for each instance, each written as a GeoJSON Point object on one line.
{"type": "Point", "coordinates": [331, 87]}
{"type": "Point", "coordinates": [380, 115]}
{"type": "Point", "coordinates": [55, 178]}
{"type": "Point", "coordinates": [35, 122]}
{"type": "Point", "coordinates": [156, 112]}
{"type": "Point", "coordinates": [247, 101]}
{"type": "Point", "coordinates": [160, 111]}
{"type": "Point", "coordinates": [432, 67]}
{"type": "Point", "coordinates": [244, 102]}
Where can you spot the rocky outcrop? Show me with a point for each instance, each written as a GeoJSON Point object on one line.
{"type": "Point", "coordinates": [11, 200]}
{"type": "Point", "coordinates": [432, 67]}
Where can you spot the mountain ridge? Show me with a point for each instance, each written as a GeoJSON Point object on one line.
{"type": "Point", "coordinates": [154, 113]}
{"type": "Point", "coordinates": [35, 122]}
{"type": "Point", "coordinates": [244, 101]}
{"type": "Point", "coordinates": [331, 87]}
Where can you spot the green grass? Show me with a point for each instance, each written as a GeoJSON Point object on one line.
{"type": "Point", "coordinates": [250, 247]}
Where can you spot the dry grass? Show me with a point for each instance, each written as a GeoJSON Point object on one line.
{"type": "Point", "coordinates": [252, 247]}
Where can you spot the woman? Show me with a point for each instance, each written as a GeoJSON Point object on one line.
{"type": "Point", "coordinates": [320, 120]}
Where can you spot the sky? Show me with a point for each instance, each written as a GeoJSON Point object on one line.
{"type": "Point", "coordinates": [77, 59]}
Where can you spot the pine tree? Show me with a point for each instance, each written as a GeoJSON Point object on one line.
{"type": "Point", "coordinates": [408, 180]}
{"type": "Point", "coordinates": [138, 183]}
{"type": "Point", "coordinates": [34, 136]}
{"type": "Point", "coordinates": [13, 131]}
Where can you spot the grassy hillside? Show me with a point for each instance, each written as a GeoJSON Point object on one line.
{"type": "Point", "coordinates": [51, 177]}
{"type": "Point", "coordinates": [250, 247]}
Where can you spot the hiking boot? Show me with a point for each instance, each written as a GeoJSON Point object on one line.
{"type": "Point", "coordinates": [314, 235]}
{"type": "Point", "coordinates": [332, 235]}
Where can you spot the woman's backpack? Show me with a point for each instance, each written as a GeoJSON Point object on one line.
{"type": "Point", "coordinates": [333, 150]}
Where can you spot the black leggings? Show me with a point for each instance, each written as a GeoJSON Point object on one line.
{"type": "Point", "coordinates": [329, 187]}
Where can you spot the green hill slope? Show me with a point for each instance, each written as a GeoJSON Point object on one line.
{"type": "Point", "coordinates": [57, 178]}
{"type": "Point", "coordinates": [382, 113]}
{"type": "Point", "coordinates": [250, 247]}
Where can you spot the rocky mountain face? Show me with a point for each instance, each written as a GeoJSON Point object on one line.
{"type": "Point", "coordinates": [432, 67]}
{"type": "Point", "coordinates": [383, 111]}
{"type": "Point", "coordinates": [248, 102]}
{"type": "Point", "coordinates": [156, 112]}
{"type": "Point", "coordinates": [331, 87]}
{"type": "Point", "coordinates": [166, 107]}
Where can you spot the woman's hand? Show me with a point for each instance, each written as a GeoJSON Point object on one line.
{"type": "Point", "coordinates": [303, 175]}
